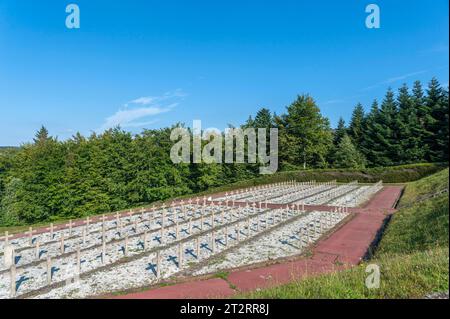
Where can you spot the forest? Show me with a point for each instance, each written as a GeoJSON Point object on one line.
{"type": "Point", "coordinates": [49, 179]}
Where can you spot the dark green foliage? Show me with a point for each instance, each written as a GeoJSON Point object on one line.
{"type": "Point", "coordinates": [305, 135]}
{"type": "Point", "coordinates": [347, 156]}
{"type": "Point", "coordinates": [437, 104]}
{"type": "Point", "coordinates": [356, 126]}
{"type": "Point", "coordinates": [340, 132]}
{"type": "Point", "coordinates": [409, 129]}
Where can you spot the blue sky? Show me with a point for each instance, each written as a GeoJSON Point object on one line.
{"type": "Point", "coordinates": [153, 63]}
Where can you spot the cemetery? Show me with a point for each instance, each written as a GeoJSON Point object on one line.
{"type": "Point", "coordinates": [184, 238]}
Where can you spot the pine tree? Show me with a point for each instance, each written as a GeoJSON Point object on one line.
{"type": "Point", "coordinates": [340, 132]}
{"type": "Point", "coordinates": [371, 146]}
{"type": "Point", "coordinates": [424, 117]}
{"type": "Point", "coordinates": [263, 119]}
{"type": "Point", "coordinates": [437, 104]}
{"type": "Point", "coordinates": [356, 126]}
{"type": "Point", "coordinates": [347, 156]}
{"type": "Point", "coordinates": [443, 131]}
{"type": "Point", "coordinates": [409, 129]}
{"type": "Point", "coordinates": [388, 131]}
{"type": "Point", "coordinates": [41, 136]}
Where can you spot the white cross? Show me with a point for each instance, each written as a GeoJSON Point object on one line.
{"type": "Point", "coordinates": [6, 237]}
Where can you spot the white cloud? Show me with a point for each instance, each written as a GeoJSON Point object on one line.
{"type": "Point", "coordinates": [395, 79]}
{"type": "Point", "coordinates": [142, 109]}
{"type": "Point", "coordinates": [336, 101]}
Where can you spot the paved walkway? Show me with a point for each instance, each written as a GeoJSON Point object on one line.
{"type": "Point", "coordinates": [344, 248]}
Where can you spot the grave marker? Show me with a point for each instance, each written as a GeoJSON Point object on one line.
{"type": "Point", "coordinates": [30, 235]}
{"type": "Point", "coordinates": [197, 247]}
{"type": "Point", "coordinates": [144, 239]}
{"type": "Point", "coordinates": [13, 281]}
{"type": "Point", "coordinates": [158, 264]}
{"type": "Point", "coordinates": [37, 250]}
{"type": "Point", "coordinates": [103, 254]}
{"type": "Point", "coordinates": [8, 256]}
{"type": "Point", "coordinates": [49, 270]}
{"type": "Point", "coordinates": [125, 247]}
{"type": "Point", "coordinates": [70, 227]}
{"type": "Point", "coordinates": [180, 255]}
{"type": "Point", "coordinates": [62, 248]}
{"type": "Point", "coordinates": [84, 234]}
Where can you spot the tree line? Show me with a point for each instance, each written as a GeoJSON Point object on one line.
{"type": "Point", "coordinates": [50, 179]}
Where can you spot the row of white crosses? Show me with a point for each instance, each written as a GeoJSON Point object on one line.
{"type": "Point", "coordinates": [328, 195]}
{"type": "Point", "coordinates": [277, 193]}
{"type": "Point", "coordinates": [368, 192]}
{"type": "Point", "coordinates": [126, 238]}
{"type": "Point", "coordinates": [303, 194]}
{"type": "Point", "coordinates": [119, 227]}
{"type": "Point", "coordinates": [119, 224]}
{"type": "Point", "coordinates": [247, 223]}
{"type": "Point", "coordinates": [262, 190]}
{"type": "Point", "coordinates": [85, 229]}
{"type": "Point", "coordinates": [358, 196]}
{"type": "Point", "coordinates": [319, 224]}
{"type": "Point", "coordinates": [287, 190]}
{"type": "Point", "coordinates": [309, 231]}
{"type": "Point", "coordinates": [281, 216]}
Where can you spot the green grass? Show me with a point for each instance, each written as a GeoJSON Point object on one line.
{"type": "Point", "coordinates": [408, 276]}
{"type": "Point", "coordinates": [413, 254]}
{"type": "Point", "coordinates": [419, 227]}
{"type": "Point", "coordinates": [424, 187]}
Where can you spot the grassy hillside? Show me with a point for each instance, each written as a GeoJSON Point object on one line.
{"type": "Point", "coordinates": [422, 226]}
{"type": "Point", "coordinates": [413, 254]}
{"type": "Point", "coordinates": [406, 276]}
{"type": "Point", "coordinates": [424, 187]}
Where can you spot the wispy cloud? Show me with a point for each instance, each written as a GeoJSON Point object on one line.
{"type": "Point", "coordinates": [336, 101]}
{"type": "Point", "coordinates": [394, 79]}
{"type": "Point", "coordinates": [349, 99]}
{"type": "Point", "coordinates": [136, 113]}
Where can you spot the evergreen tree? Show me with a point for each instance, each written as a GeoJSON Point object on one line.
{"type": "Point", "coordinates": [388, 131]}
{"type": "Point", "coordinates": [409, 129]}
{"type": "Point", "coordinates": [347, 156]}
{"type": "Point", "coordinates": [340, 132]}
{"type": "Point", "coordinates": [305, 134]}
{"type": "Point", "coordinates": [356, 126]}
{"type": "Point", "coordinates": [437, 104]}
{"type": "Point", "coordinates": [424, 117]}
{"type": "Point", "coordinates": [41, 136]}
{"type": "Point", "coordinates": [263, 119]}
{"type": "Point", "coordinates": [371, 145]}
{"type": "Point", "coordinates": [442, 138]}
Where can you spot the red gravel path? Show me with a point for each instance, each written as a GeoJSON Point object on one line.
{"type": "Point", "coordinates": [347, 245]}
{"type": "Point", "coordinates": [212, 288]}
